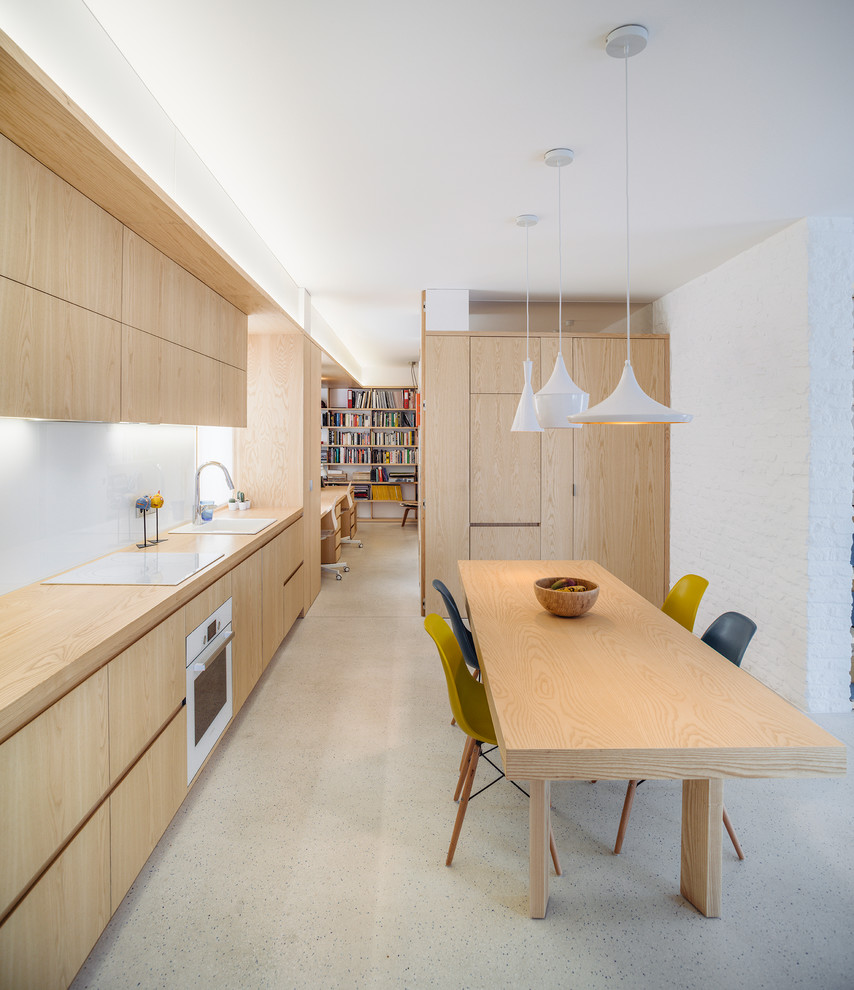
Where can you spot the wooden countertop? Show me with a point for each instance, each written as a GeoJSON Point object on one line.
{"type": "Point", "coordinates": [52, 637]}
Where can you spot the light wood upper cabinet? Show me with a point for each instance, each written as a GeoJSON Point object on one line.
{"type": "Point", "coordinates": [53, 772]}
{"type": "Point", "coordinates": [163, 299]}
{"type": "Point", "coordinates": [54, 239]}
{"type": "Point", "coordinates": [505, 466]}
{"type": "Point", "coordinates": [47, 939]}
{"type": "Point", "coordinates": [496, 364]}
{"type": "Point", "coordinates": [147, 684]}
{"type": "Point", "coordinates": [59, 361]}
{"type": "Point", "coordinates": [620, 506]}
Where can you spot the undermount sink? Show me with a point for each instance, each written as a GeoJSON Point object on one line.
{"type": "Point", "coordinates": [227, 527]}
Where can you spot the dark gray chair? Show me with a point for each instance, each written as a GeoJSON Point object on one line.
{"type": "Point", "coordinates": [730, 635]}
{"type": "Point", "coordinates": [462, 634]}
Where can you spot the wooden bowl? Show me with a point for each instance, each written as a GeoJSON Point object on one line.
{"type": "Point", "coordinates": [566, 603]}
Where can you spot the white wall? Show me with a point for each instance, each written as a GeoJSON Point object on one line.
{"type": "Point", "coordinates": [69, 490]}
{"type": "Point", "coordinates": [761, 354]}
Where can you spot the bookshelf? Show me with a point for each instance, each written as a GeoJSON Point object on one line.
{"type": "Point", "coordinates": [369, 439]}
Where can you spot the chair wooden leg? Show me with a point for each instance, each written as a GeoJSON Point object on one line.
{"type": "Point", "coordinates": [732, 835]}
{"type": "Point", "coordinates": [624, 819]}
{"type": "Point", "coordinates": [464, 801]}
{"type": "Point", "coordinates": [464, 766]}
{"type": "Point", "coordinates": [553, 850]}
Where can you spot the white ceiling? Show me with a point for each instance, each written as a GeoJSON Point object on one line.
{"type": "Point", "coordinates": [385, 146]}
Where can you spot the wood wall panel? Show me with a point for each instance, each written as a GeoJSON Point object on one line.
{"type": "Point", "coordinates": [247, 657]}
{"type": "Point", "coordinates": [505, 543]}
{"type": "Point", "coordinates": [47, 939]}
{"type": "Point", "coordinates": [144, 803]}
{"type": "Point", "coordinates": [445, 458]}
{"type": "Point", "coordinates": [53, 772]}
{"type": "Point", "coordinates": [59, 361]}
{"type": "Point", "coordinates": [232, 396]}
{"type": "Point", "coordinates": [620, 507]}
{"type": "Point", "coordinates": [269, 452]}
{"type": "Point", "coordinates": [54, 239]}
{"type": "Point", "coordinates": [147, 683]}
{"type": "Point", "coordinates": [558, 470]}
{"type": "Point", "coordinates": [311, 484]}
{"type": "Point", "coordinates": [496, 364]}
{"type": "Point", "coordinates": [505, 466]}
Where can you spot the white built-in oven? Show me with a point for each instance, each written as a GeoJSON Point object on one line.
{"type": "Point", "coordinates": [209, 697]}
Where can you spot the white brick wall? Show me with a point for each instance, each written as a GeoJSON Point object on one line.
{"type": "Point", "coordinates": [761, 479]}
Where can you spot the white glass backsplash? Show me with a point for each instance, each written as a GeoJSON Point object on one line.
{"type": "Point", "coordinates": [68, 491]}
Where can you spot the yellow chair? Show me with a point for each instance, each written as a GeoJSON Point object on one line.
{"type": "Point", "coordinates": [683, 600]}
{"type": "Point", "coordinates": [681, 604]}
{"type": "Point", "coordinates": [471, 711]}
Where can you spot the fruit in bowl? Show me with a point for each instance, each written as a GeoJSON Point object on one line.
{"type": "Point", "coordinates": [566, 596]}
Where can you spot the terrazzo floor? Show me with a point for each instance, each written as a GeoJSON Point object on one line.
{"type": "Point", "coordinates": [311, 851]}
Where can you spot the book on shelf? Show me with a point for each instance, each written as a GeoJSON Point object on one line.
{"type": "Point", "coordinates": [386, 493]}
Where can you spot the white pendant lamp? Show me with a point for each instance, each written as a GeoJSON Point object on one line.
{"type": "Point", "coordinates": [525, 420]}
{"type": "Point", "coordinates": [560, 397]}
{"type": "Point", "coordinates": [628, 403]}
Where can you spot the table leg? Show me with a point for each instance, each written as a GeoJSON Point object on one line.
{"type": "Point", "coordinates": [702, 816]}
{"type": "Point", "coordinates": [539, 847]}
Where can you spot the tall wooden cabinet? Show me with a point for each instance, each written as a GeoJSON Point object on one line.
{"type": "Point", "coordinates": [599, 492]}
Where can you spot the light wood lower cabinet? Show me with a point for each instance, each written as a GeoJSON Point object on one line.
{"type": "Point", "coordinates": [53, 772]}
{"type": "Point", "coordinates": [144, 803]}
{"type": "Point", "coordinates": [504, 543]}
{"type": "Point", "coordinates": [46, 940]}
{"type": "Point", "coordinates": [147, 683]}
{"type": "Point", "coordinates": [247, 656]}
{"type": "Point", "coordinates": [281, 559]}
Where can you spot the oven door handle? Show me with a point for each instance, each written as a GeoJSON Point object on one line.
{"type": "Point", "coordinates": [211, 652]}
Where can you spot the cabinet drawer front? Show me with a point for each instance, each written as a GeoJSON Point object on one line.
{"type": "Point", "coordinates": [145, 802]}
{"type": "Point", "coordinates": [46, 939]}
{"type": "Point", "coordinates": [206, 603]}
{"type": "Point", "coordinates": [147, 683]}
{"type": "Point", "coordinates": [505, 543]}
{"type": "Point", "coordinates": [292, 548]}
{"type": "Point", "coordinates": [53, 772]}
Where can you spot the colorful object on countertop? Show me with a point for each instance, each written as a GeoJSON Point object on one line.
{"type": "Point", "coordinates": [143, 503]}
{"type": "Point", "coordinates": [157, 501]}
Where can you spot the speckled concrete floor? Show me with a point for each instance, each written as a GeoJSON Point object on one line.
{"type": "Point", "coordinates": [311, 853]}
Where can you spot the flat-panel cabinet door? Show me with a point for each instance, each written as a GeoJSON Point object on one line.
{"type": "Point", "coordinates": [505, 542]}
{"type": "Point", "coordinates": [47, 938]}
{"type": "Point", "coordinates": [505, 466]}
{"type": "Point", "coordinates": [247, 658]}
{"type": "Point", "coordinates": [145, 802]}
{"type": "Point", "coordinates": [620, 504]}
{"type": "Point", "coordinates": [445, 456]}
{"type": "Point", "coordinates": [557, 477]}
{"type": "Point", "coordinates": [53, 772]}
{"type": "Point", "coordinates": [496, 364]}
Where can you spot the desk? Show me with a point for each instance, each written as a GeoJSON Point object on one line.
{"type": "Point", "coordinates": [331, 502]}
{"type": "Point", "coordinates": [623, 693]}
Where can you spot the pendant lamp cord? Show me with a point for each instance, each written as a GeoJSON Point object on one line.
{"type": "Point", "coordinates": [559, 271]}
{"type": "Point", "coordinates": [527, 296]}
{"type": "Point", "coordinates": [628, 249]}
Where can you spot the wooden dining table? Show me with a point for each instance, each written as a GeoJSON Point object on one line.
{"type": "Point", "coordinates": [624, 693]}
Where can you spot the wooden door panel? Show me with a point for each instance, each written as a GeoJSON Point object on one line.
{"type": "Point", "coordinates": [505, 466]}
{"type": "Point", "coordinates": [496, 364]}
{"type": "Point", "coordinates": [620, 515]}
{"type": "Point", "coordinates": [505, 543]}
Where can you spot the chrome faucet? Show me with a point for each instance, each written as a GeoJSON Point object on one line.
{"type": "Point", "coordinates": [228, 481]}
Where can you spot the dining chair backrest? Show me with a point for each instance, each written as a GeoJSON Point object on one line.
{"type": "Point", "coordinates": [466, 695]}
{"type": "Point", "coordinates": [730, 635]}
{"type": "Point", "coordinates": [683, 600]}
{"type": "Point", "coordinates": [464, 636]}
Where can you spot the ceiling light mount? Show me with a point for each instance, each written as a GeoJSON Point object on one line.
{"type": "Point", "coordinates": [626, 41]}
{"type": "Point", "coordinates": [558, 157]}
{"type": "Point", "coordinates": [526, 220]}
